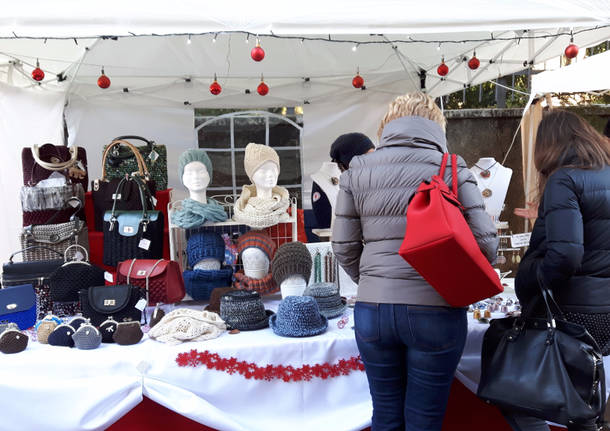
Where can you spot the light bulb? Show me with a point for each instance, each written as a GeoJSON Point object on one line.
{"type": "Point", "coordinates": [355, 48]}
{"type": "Point", "coordinates": [188, 41]}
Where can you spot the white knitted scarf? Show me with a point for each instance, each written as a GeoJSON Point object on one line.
{"type": "Point", "coordinates": [260, 213]}
{"type": "Point", "coordinates": [184, 324]}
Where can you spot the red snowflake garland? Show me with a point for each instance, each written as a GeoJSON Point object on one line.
{"type": "Point", "coordinates": [250, 370]}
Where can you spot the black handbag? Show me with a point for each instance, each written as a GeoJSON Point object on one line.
{"type": "Point", "coordinates": [119, 301]}
{"type": "Point", "coordinates": [547, 367]}
{"type": "Point", "coordinates": [74, 275]}
{"type": "Point", "coordinates": [104, 189]}
{"type": "Point", "coordinates": [37, 274]}
{"type": "Point", "coordinates": [132, 234]}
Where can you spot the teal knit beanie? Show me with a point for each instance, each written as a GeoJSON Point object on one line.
{"type": "Point", "coordinates": [194, 155]}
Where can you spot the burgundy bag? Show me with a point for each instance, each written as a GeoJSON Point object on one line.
{"type": "Point", "coordinates": [39, 163]}
{"type": "Point", "coordinates": [161, 278]}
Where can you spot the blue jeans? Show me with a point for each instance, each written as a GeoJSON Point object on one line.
{"type": "Point", "coordinates": [410, 353]}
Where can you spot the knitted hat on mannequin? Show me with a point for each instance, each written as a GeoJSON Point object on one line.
{"type": "Point", "coordinates": [204, 245]}
{"type": "Point", "coordinates": [256, 155]}
{"type": "Point", "coordinates": [348, 146]}
{"type": "Point", "coordinates": [292, 258]}
{"type": "Point", "coordinates": [194, 155]}
{"type": "Point", "coordinates": [257, 239]}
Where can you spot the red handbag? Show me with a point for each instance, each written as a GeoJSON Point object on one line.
{"type": "Point", "coordinates": [439, 244]}
{"type": "Point", "coordinates": [161, 278]}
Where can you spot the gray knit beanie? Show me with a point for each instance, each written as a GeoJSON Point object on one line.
{"type": "Point", "coordinates": [292, 258]}
{"type": "Point", "coordinates": [194, 155]}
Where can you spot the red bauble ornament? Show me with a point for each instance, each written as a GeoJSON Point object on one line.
{"type": "Point", "coordinates": [257, 53]}
{"type": "Point", "coordinates": [442, 69]}
{"type": "Point", "coordinates": [474, 63]}
{"type": "Point", "coordinates": [103, 81]}
{"type": "Point", "coordinates": [38, 74]}
{"type": "Point", "coordinates": [262, 89]}
{"type": "Point", "coordinates": [571, 51]}
{"type": "Point", "coordinates": [358, 81]}
{"type": "Point", "coordinates": [215, 88]}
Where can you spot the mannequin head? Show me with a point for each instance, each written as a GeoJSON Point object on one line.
{"type": "Point", "coordinates": [256, 263]}
{"type": "Point", "coordinates": [265, 179]}
{"type": "Point", "coordinates": [196, 177]}
{"type": "Point", "coordinates": [209, 264]}
{"type": "Point", "coordinates": [293, 286]}
{"type": "Point", "coordinates": [195, 172]}
{"type": "Point", "coordinates": [262, 165]}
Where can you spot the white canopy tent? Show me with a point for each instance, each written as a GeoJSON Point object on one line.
{"type": "Point", "coordinates": [312, 52]}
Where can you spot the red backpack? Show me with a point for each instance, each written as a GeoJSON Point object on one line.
{"type": "Point", "coordinates": [439, 244]}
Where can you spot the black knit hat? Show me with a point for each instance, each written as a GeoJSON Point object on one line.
{"type": "Point", "coordinates": [292, 258]}
{"type": "Point", "coordinates": [348, 146]}
{"type": "Point", "coordinates": [244, 310]}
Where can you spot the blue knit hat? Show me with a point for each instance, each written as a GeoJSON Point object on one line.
{"type": "Point", "coordinates": [298, 316]}
{"type": "Point", "coordinates": [199, 284]}
{"type": "Point", "coordinates": [204, 245]}
{"type": "Point", "coordinates": [194, 155]}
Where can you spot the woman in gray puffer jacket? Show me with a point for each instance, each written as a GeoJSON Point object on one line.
{"type": "Point", "coordinates": [409, 338]}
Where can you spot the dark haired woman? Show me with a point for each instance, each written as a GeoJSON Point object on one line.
{"type": "Point", "coordinates": [570, 244]}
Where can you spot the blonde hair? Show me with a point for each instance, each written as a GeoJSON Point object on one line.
{"type": "Point", "coordinates": [413, 104]}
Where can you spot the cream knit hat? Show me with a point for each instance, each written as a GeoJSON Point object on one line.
{"type": "Point", "coordinates": [256, 155]}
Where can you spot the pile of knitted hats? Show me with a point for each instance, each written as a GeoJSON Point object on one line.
{"type": "Point", "coordinates": [199, 283]}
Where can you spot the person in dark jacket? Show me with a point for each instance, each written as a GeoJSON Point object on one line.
{"type": "Point", "coordinates": [569, 250]}
{"type": "Point", "coordinates": [409, 338]}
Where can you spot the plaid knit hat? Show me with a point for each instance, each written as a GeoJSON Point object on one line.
{"type": "Point", "coordinates": [256, 155]}
{"type": "Point", "coordinates": [298, 316]}
{"type": "Point", "coordinates": [256, 239]}
{"type": "Point", "coordinates": [292, 258]}
{"type": "Point", "coordinates": [219, 292]}
{"type": "Point", "coordinates": [194, 155]}
{"type": "Point", "coordinates": [244, 310]}
{"type": "Point", "coordinates": [327, 296]}
{"type": "Point", "coordinates": [204, 245]}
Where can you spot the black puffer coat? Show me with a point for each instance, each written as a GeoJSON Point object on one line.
{"type": "Point", "coordinates": [570, 249]}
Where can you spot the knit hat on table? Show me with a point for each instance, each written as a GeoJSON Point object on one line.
{"type": "Point", "coordinates": [219, 292]}
{"type": "Point", "coordinates": [298, 316]}
{"type": "Point", "coordinates": [194, 155]}
{"type": "Point", "coordinates": [292, 258]}
{"type": "Point", "coordinates": [244, 310]}
{"type": "Point", "coordinates": [199, 284]}
{"type": "Point", "coordinates": [256, 155]}
{"type": "Point", "coordinates": [328, 298]}
{"type": "Point", "coordinates": [256, 239]}
{"type": "Point", "coordinates": [204, 245]}
{"type": "Point", "coordinates": [348, 146]}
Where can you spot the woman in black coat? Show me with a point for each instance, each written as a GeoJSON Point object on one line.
{"type": "Point", "coordinates": [569, 249]}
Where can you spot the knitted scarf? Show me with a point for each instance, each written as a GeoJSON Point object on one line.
{"type": "Point", "coordinates": [194, 214]}
{"type": "Point", "coordinates": [261, 213]}
{"type": "Point", "coordinates": [199, 283]}
{"type": "Point", "coordinates": [264, 286]}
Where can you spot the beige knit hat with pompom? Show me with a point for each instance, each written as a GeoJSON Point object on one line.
{"type": "Point", "coordinates": [256, 155]}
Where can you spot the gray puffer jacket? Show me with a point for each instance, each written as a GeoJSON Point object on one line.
{"type": "Point", "coordinates": [372, 205]}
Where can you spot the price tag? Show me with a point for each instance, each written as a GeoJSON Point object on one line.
{"type": "Point", "coordinates": [116, 196]}
{"type": "Point", "coordinates": [154, 200]}
{"type": "Point", "coordinates": [73, 203]}
{"type": "Point", "coordinates": [144, 244]}
{"type": "Point", "coordinates": [153, 156]}
{"type": "Point", "coordinates": [108, 277]}
{"type": "Point", "coordinates": [141, 305]}
{"type": "Point", "coordinates": [520, 240]}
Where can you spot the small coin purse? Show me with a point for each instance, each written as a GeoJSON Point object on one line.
{"type": "Point", "coordinates": [62, 336]}
{"type": "Point", "coordinates": [87, 337]}
{"type": "Point", "coordinates": [77, 321]}
{"type": "Point", "coordinates": [12, 340]}
{"type": "Point", "coordinates": [128, 333]}
{"type": "Point", "coordinates": [44, 329]}
{"type": "Point", "coordinates": [108, 328]}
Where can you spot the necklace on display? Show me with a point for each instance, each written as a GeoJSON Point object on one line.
{"type": "Point", "coordinates": [486, 173]}
{"type": "Point", "coordinates": [487, 192]}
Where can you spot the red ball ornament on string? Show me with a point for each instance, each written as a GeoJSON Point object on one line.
{"type": "Point", "coordinates": [38, 73]}
{"type": "Point", "coordinates": [474, 62]}
{"type": "Point", "coordinates": [215, 87]}
{"type": "Point", "coordinates": [442, 69]}
{"type": "Point", "coordinates": [358, 81]}
{"type": "Point", "coordinates": [103, 81]}
{"type": "Point", "coordinates": [571, 51]}
{"type": "Point", "coordinates": [262, 89]}
{"type": "Point", "coordinates": [257, 52]}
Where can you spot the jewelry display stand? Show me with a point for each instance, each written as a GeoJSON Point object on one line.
{"type": "Point", "coordinates": [493, 180]}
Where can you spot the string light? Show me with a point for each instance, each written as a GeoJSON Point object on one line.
{"type": "Point", "coordinates": [438, 48]}
{"type": "Point", "coordinates": [188, 41]}
{"type": "Point", "coordinates": [355, 47]}
{"type": "Point", "coordinates": [215, 36]}
{"type": "Point", "coordinates": [248, 38]}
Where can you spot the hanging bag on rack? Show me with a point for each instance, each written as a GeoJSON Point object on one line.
{"type": "Point", "coordinates": [58, 236]}
{"type": "Point", "coordinates": [132, 234]}
{"type": "Point", "coordinates": [74, 275]}
{"type": "Point", "coordinates": [437, 234]}
{"type": "Point", "coordinates": [39, 163]}
{"type": "Point", "coordinates": [121, 161]}
{"type": "Point", "coordinates": [104, 189]}
{"type": "Point", "coordinates": [161, 279]}
{"type": "Point", "coordinates": [545, 367]}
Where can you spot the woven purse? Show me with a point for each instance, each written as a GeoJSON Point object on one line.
{"type": "Point", "coordinates": [161, 279]}
{"type": "Point", "coordinates": [39, 163]}
{"type": "Point", "coordinates": [74, 275]}
{"type": "Point", "coordinates": [119, 301]}
{"type": "Point", "coordinates": [49, 198]}
{"type": "Point", "coordinates": [121, 161]}
{"type": "Point", "coordinates": [13, 341]}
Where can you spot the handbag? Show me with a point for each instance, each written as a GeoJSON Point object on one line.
{"type": "Point", "coordinates": [546, 367]}
{"type": "Point", "coordinates": [39, 163]}
{"type": "Point", "coordinates": [38, 198]}
{"type": "Point", "coordinates": [58, 237]}
{"type": "Point", "coordinates": [132, 234]}
{"type": "Point", "coordinates": [18, 305]}
{"type": "Point", "coordinates": [36, 273]}
{"type": "Point", "coordinates": [161, 279]}
{"type": "Point", "coordinates": [128, 333]}
{"type": "Point", "coordinates": [119, 301]}
{"type": "Point", "coordinates": [67, 280]}
{"type": "Point", "coordinates": [105, 195]}
{"type": "Point", "coordinates": [13, 341]}
{"type": "Point", "coordinates": [121, 161]}
{"type": "Point", "coordinates": [437, 234]}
